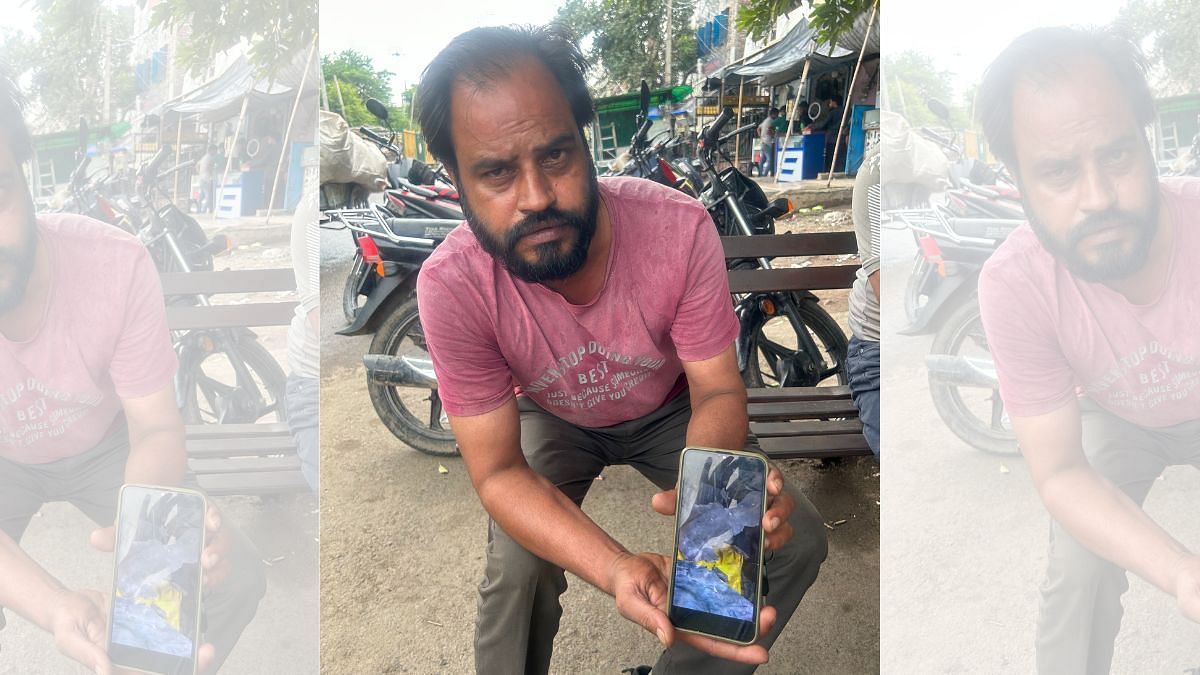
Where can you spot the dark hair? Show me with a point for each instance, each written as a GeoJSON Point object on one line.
{"type": "Point", "coordinates": [483, 55]}
{"type": "Point", "coordinates": [12, 119]}
{"type": "Point", "coordinates": [1046, 54]}
{"type": "Point", "coordinates": [773, 111]}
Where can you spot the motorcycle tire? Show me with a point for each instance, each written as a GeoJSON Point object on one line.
{"type": "Point", "coordinates": [432, 437]}
{"type": "Point", "coordinates": [204, 398]}
{"type": "Point", "coordinates": [964, 324]}
{"type": "Point", "coordinates": [808, 315]}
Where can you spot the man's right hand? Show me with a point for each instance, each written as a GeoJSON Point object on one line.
{"type": "Point", "coordinates": [77, 623]}
{"type": "Point", "coordinates": [639, 583]}
{"type": "Point", "coordinates": [1187, 587]}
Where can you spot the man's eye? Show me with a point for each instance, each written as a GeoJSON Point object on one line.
{"type": "Point", "coordinates": [555, 155]}
{"type": "Point", "coordinates": [495, 173]}
{"type": "Point", "coordinates": [1117, 155]}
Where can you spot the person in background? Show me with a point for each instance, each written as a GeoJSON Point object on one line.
{"type": "Point", "coordinates": [766, 137]}
{"type": "Point", "coordinates": [862, 356]}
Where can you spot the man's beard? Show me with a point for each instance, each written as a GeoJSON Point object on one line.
{"type": "Point", "coordinates": [16, 264]}
{"type": "Point", "coordinates": [551, 264]}
{"type": "Point", "coordinates": [1117, 260]}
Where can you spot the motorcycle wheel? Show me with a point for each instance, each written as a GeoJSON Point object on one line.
{"type": "Point", "coordinates": [414, 418]}
{"type": "Point", "coordinates": [212, 392]}
{"type": "Point", "coordinates": [357, 288]}
{"type": "Point", "coordinates": [774, 353]}
{"type": "Point", "coordinates": [975, 417]}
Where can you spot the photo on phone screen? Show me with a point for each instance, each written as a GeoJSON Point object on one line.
{"type": "Point", "coordinates": [154, 619]}
{"type": "Point", "coordinates": [718, 544]}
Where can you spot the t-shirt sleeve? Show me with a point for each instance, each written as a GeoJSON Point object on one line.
{"type": "Point", "coordinates": [473, 376]}
{"type": "Point", "coordinates": [1035, 377]}
{"type": "Point", "coordinates": [144, 361]}
{"type": "Point", "coordinates": [705, 323]}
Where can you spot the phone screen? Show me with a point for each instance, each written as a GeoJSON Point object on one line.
{"type": "Point", "coordinates": [154, 622]}
{"type": "Point", "coordinates": [718, 544]}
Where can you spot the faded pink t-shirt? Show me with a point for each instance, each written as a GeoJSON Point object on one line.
{"type": "Point", "coordinates": [665, 299]}
{"type": "Point", "coordinates": [1051, 333]}
{"type": "Point", "coordinates": [104, 337]}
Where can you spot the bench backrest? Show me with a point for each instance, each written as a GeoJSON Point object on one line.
{"type": "Point", "coordinates": [820, 277]}
{"type": "Point", "coordinates": [249, 314]}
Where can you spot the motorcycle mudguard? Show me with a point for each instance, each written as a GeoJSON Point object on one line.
{"type": "Point", "coordinates": [403, 283]}
{"type": "Point", "coordinates": [940, 296]}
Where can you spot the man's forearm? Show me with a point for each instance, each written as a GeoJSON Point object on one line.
{"type": "Point", "coordinates": [1110, 524]}
{"type": "Point", "coordinates": [25, 587]}
{"type": "Point", "coordinates": [549, 525]}
{"type": "Point", "coordinates": [157, 457]}
{"type": "Point", "coordinates": [719, 420]}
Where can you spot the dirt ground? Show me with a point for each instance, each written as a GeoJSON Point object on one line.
{"type": "Point", "coordinates": [402, 544]}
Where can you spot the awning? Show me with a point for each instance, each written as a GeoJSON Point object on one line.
{"type": "Point", "coordinates": [784, 61]}
{"type": "Point", "coordinates": [221, 98]}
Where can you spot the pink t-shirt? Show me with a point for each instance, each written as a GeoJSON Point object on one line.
{"type": "Point", "coordinates": [665, 299]}
{"type": "Point", "coordinates": [1051, 334]}
{"type": "Point", "coordinates": [104, 337]}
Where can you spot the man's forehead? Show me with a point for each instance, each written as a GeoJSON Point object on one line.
{"type": "Point", "coordinates": [1060, 101]}
{"type": "Point", "coordinates": [523, 93]}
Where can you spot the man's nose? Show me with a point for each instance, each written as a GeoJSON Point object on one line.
{"type": "Point", "coordinates": [1097, 190]}
{"type": "Point", "coordinates": [536, 191]}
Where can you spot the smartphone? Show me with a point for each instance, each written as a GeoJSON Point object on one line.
{"type": "Point", "coordinates": [718, 557]}
{"type": "Point", "coordinates": [154, 617]}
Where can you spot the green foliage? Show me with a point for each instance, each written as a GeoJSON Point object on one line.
{"type": "Point", "coordinates": [64, 61]}
{"type": "Point", "coordinates": [627, 40]}
{"type": "Point", "coordinates": [831, 18]}
{"type": "Point", "coordinates": [350, 79]}
{"type": "Point", "coordinates": [1167, 31]}
{"type": "Point", "coordinates": [911, 79]}
{"type": "Point", "coordinates": [274, 29]}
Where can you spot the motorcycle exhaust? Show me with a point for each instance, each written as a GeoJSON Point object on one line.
{"type": "Point", "coordinates": [962, 371]}
{"type": "Point", "coordinates": [400, 371]}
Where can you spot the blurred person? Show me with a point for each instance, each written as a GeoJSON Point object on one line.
{"type": "Point", "coordinates": [1093, 318]}
{"type": "Point", "coordinates": [862, 354]}
{"type": "Point", "coordinates": [607, 303]}
{"type": "Point", "coordinates": [87, 403]}
{"type": "Point", "coordinates": [766, 136]}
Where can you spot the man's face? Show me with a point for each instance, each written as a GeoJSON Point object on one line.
{"type": "Point", "coordinates": [1085, 172]}
{"type": "Point", "coordinates": [527, 184]}
{"type": "Point", "coordinates": [18, 230]}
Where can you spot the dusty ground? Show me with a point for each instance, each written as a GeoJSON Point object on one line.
{"type": "Point", "coordinates": [402, 544]}
{"type": "Point", "coordinates": [283, 637]}
{"type": "Point", "coordinates": [965, 535]}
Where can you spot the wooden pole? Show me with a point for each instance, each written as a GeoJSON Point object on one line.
{"type": "Point", "coordinates": [796, 104]}
{"type": "Point", "coordinates": [737, 121]}
{"type": "Point", "coordinates": [287, 133]}
{"type": "Point", "coordinates": [178, 149]}
{"type": "Point", "coordinates": [853, 78]}
{"type": "Point", "coordinates": [237, 131]}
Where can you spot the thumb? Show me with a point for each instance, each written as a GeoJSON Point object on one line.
{"type": "Point", "coordinates": [664, 502]}
{"type": "Point", "coordinates": [103, 539]}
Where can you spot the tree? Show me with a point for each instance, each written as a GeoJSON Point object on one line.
{"type": "Point", "coordinates": [78, 50]}
{"type": "Point", "coordinates": [625, 40]}
{"type": "Point", "coordinates": [350, 79]}
{"type": "Point", "coordinates": [831, 18]}
{"type": "Point", "coordinates": [274, 29]}
{"type": "Point", "coordinates": [911, 79]}
{"type": "Point", "coordinates": [1167, 30]}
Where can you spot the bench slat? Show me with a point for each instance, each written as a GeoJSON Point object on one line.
{"type": "Point", "coordinates": [276, 482]}
{"type": "Point", "coordinates": [815, 444]}
{"type": "Point", "coordinates": [228, 281]}
{"type": "Point", "coordinates": [204, 431]}
{"type": "Point", "coordinates": [785, 245]}
{"type": "Point", "coordinates": [824, 277]}
{"type": "Point", "coordinates": [241, 447]}
{"type": "Point", "coordinates": [807, 428]}
{"type": "Point", "coordinates": [204, 466]}
{"type": "Point", "coordinates": [231, 316]}
{"type": "Point", "coordinates": [796, 410]}
{"type": "Point", "coordinates": [781, 394]}
{"type": "Point", "coordinates": [788, 450]}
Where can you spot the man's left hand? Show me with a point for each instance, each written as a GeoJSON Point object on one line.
{"type": "Point", "coordinates": [776, 525]}
{"type": "Point", "coordinates": [214, 559]}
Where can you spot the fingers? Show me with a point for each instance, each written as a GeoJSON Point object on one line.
{"type": "Point", "coordinates": [664, 502]}
{"type": "Point", "coordinates": [204, 657]}
{"type": "Point", "coordinates": [215, 559]}
{"type": "Point", "coordinates": [103, 539]}
{"type": "Point", "coordinates": [754, 653]}
{"type": "Point", "coordinates": [774, 482]}
{"type": "Point", "coordinates": [776, 522]}
{"type": "Point", "coordinates": [212, 520]}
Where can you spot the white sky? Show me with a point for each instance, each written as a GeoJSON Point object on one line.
{"type": "Point", "coordinates": [382, 28]}
{"type": "Point", "coordinates": [964, 37]}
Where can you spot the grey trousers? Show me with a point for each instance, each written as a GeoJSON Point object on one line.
{"type": "Point", "coordinates": [92, 482]}
{"type": "Point", "coordinates": [519, 606]}
{"type": "Point", "coordinates": [1081, 611]}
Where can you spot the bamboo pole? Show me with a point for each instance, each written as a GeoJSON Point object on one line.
{"type": "Point", "coordinates": [287, 132]}
{"type": "Point", "coordinates": [792, 116]}
{"type": "Point", "coordinates": [853, 79]}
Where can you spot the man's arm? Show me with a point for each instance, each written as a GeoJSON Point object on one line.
{"type": "Point", "coordinates": [157, 455]}
{"type": "Point", "coordinates": [1097, 513]}
{"type": "Point", "coordinates": [718, 398]}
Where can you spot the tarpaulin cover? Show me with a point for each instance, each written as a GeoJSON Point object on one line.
{"type": "Point", "coordinates": [784, 61]}
{"type": "Point", "coordinates": [221, 98]}
{"type": "Point", "coordinates": [346, 158]}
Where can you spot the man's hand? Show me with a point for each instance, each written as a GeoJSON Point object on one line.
{"type": "Point", "coordinates": [639, 584]}
{"type": "Point", "coordinates": [214, 559]}
{"type": "Point", "coordinates": [77, 623]}
{"type": "Point", "coordinates": [1187, 587]}
{"type": "Point", "coordinates": [776, 525]}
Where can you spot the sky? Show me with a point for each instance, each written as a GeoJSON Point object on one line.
{"type": "Point", "coordinates": [404, 42]}
{"type": "Point", "coordinates": [963, 37]}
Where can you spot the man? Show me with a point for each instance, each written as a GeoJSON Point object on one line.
{"type": "Point", "coordinates": [607, 303]}
{"type": "Point", "coordinates": [1093, 318]}
{"type": "Point", "coordinates": [827, 122]}
{"type": "Point", "coordinates": [862, 354]}
{"type": "Point", "coordinates": [87, 402]}
{"type": "Point", "coordinates": [766, 136]}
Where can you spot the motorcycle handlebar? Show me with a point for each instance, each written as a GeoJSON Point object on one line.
{"type": "Point", "coordinates": [374, 137]}
{"type": "Point", "coordinates": [712, 136]}
{"type": "Point", "coordinates": [639, 138]}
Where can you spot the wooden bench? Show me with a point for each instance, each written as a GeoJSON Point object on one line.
{"type": "Point", "coordinates": [799, 422]}
{"type": "Point", "coordinates": [230, 459]}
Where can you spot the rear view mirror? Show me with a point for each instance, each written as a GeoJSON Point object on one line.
{"type": "Point", "coordinates": [644, 99]}
{"type": "Point", "coordinates": [83, 133]}
{"type": "Point", "coordinates": [939, 109]}
{"type": "Point", "coordinates": [377, 109]}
